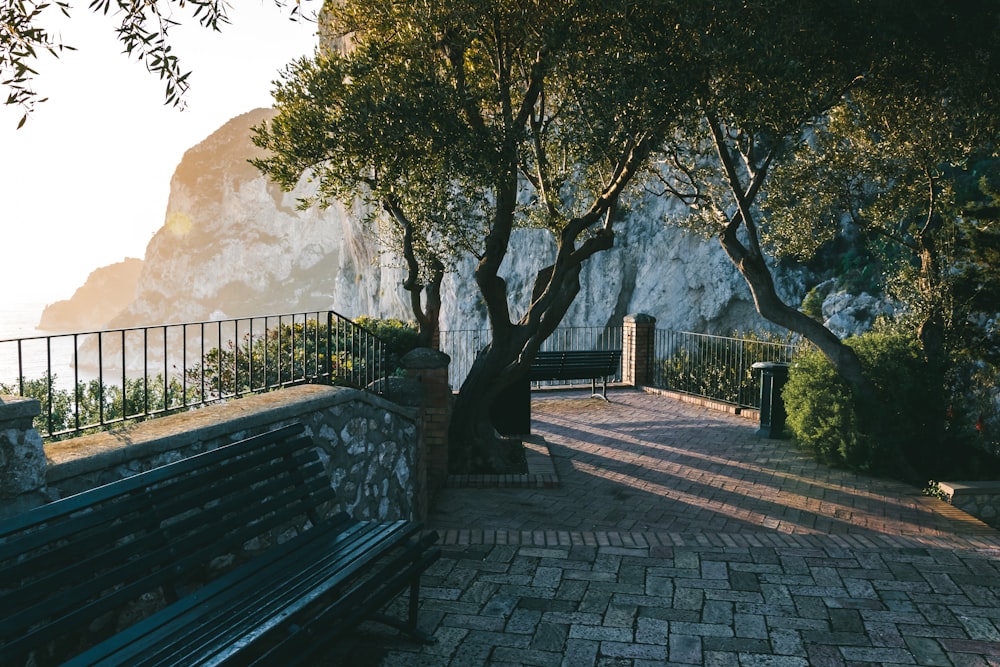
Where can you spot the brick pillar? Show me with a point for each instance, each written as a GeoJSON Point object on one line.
{"type": "Point", "coordinates": [638, 333]}
{"type": "Point", "coordinates": [22, 458]}
{"type": "Point", "coordinates": [430, 368]}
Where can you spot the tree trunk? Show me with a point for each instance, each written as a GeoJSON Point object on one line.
{"type": "Point", "coordinates": [770, 306]}
{"type": "Point", "coordinates": [749, 260]}
{"type": "Point", "coordinates": [474, 444]}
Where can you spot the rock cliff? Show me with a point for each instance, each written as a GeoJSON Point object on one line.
{"type": "Point", "coordinates": [233, 245]}
{"type": "Point", "coordinates": [107, 291]}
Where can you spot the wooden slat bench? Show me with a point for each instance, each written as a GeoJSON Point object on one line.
{"type": "Point", "coordinates": [154, 546]}
{"type": "Point", "coordinates": [590, 365]}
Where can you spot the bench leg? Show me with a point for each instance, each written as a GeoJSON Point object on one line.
{"type": "Point", "coordinates": [593, 389]}
{"type": "Point", "coordinates": [409, 626]}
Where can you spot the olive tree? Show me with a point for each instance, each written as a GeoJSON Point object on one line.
{"type": "Point", "coordinates": [469, 118]}
{"type": "Point", "coordinates": [917, 78]}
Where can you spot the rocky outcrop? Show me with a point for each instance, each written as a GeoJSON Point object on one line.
{"type": "Point", "coordinates": [234, 245]}
{"type": "Point", "coordinates": [107, 292]}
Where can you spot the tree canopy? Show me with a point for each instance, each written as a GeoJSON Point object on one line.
{"type": "Point", "coordinates": [469, 118]}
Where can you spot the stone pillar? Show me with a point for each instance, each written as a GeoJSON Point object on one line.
{"type": "Point", "coordinates": [430, 368]}
{"type": "Point", "coordinates": [638, 334]}
{"type": "Point", "coordinates": [22, 457]}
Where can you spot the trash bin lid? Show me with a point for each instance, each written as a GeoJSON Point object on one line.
{"type": "Point", "coordinates": [770, 365]}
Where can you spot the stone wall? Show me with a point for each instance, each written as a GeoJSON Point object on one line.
{"type": "Point", "coordinates": [368, 445]}
{"type": "Point", "coordinates": [980, 499]}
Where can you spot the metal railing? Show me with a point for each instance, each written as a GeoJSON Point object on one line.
{"type": "Point", "coordinates": [96, 379]}
{"type": "Point", "coordinates": [463, 345]}
{"type": "Point", "coordinates": [716, 367]}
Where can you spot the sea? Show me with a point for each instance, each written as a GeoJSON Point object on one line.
{"type": "Point", "coordinates": [18, 321]}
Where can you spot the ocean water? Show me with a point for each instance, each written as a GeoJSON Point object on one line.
{"type": "Point", "coordinates": [18, 320]}
{"type": "Point", "coordinates": [30, 357]}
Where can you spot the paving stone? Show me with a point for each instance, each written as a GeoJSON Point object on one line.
{"type": "Point", "coordinates": [633, 651]}
{"type": "Point", "coordinates": [498, 639]}
{"type": "Point", "coordinates": [979, 628]}
{"type": "Point", "coordinates": [825, 656]}
{"type": "Point", "coordinates": [500, 605]}
{"type": "Point", "coordinates": [685, 649]}
{"type": "Point", "coordinates": [601, 633]}
{"type": "Point", "coordinates": [523, 621]}
{"type": "Point", "coordinates": [721, 659]}
{"type": "Point", "coordinates": [622, 616]}
{"type": "Point", "coordinates": [550, 637]}
{"type": "Point", "coordinates": [651, 630]}
{"type": "Point", "coordinates": [787, 642]}
{"type": "Point", "coordinates": [580, 653]}
{"type": "Point", "coordinates": [751, 626]}
{"type": "Point", "coordinates": [678, 537]}
{"type": "Point", "coordinates": [526, 657]}
{"type": "Point", "coordinates": [736, 644]}
{"type": "Point", "coordinates": [927, 651]}
{"type": "Point", "coordinates": [547, 577]}
{"type": "Point", "coordinates": [765, 660]}
{"type": "Point", "coordinates": [473, 622]}
{"type": "Point", "coordinates": [846, 620]}
{"type": "Point", "coordinates": [878, 655]}
{"type": "Point", "coordinates": [717, 612]}
{"type": "Point", "coordinates": [687, 598]}
{"type": "Point", "coordinates": [701, 629]}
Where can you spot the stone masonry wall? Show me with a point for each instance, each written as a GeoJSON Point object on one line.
{"type": "Point", "coordinates": [368, 445]}
{"type": "Point", "coordinates": [980, 499]}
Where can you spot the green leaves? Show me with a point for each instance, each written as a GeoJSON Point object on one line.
{"type": "Point", "coordinates": [143, 30]}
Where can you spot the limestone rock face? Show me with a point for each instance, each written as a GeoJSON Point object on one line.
{"type": "Point", "coordinates": [107, 292]}
{"type": "Point", "coordinates": [233, 245]}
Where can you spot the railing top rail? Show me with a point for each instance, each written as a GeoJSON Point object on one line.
{"type": "Point", "coordinates": [116, 376]}
{"type": "Point", "coordinates": [193, 323]}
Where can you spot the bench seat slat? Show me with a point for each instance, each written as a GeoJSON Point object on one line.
{"type": "Point", "coordinates": [255, 592]}
{"type": "Point", "coordinates": [72, 561]}
{"type": "Point", "coordinates": [129, 485]}
{"type": "Point", "coordinates": [271, 609]}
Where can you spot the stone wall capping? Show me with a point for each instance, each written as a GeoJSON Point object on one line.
{"type": "Point", "coordinates": [89, 453]}
{"type": "Point", "coordinates": [17, 407]}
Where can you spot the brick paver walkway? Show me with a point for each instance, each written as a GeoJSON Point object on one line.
{"type": "Point", "coordinates": [676, 536]}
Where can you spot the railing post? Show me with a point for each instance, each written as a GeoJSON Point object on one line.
{"type": "Point", "coordinates": [638, 334]}
{"type": "Point", "coordinates": [22, 458]}
{"type": "Point", "coordinates": [430, 368]}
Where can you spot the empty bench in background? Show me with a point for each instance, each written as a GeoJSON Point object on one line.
{"type": "Point", "coordinates": [590, 365]}
{"type": "Point", "coordinates": [159, 539]}
{"type": "Point", "coordinates": [511, 412]}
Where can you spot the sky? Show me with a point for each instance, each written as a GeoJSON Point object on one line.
{"type": "Point", "coordinates": [84, 183]}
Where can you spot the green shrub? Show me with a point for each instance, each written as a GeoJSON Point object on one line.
{"type": "Point", "coordinates": [400, 337]}
{"type": "Point", "coordinates": [812, 304]}
{"type": "Point", "coordinates": [899, 435]}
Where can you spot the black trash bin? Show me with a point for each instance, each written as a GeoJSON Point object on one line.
{"type": "Point", "coordinates": [511, 411]}
{"type": "Point", "coordinates": [773, 375]}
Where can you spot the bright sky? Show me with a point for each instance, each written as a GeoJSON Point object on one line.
{"type": "Point", "coordinates": [85, 182]}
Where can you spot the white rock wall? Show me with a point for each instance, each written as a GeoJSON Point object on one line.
{"type": "Point", "coordinates": [234, 245]}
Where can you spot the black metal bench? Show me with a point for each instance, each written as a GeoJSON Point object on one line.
{"type": "Point", "coordinates": [232, 551]}
{"type": "Point", "coordinates": [590, 365]}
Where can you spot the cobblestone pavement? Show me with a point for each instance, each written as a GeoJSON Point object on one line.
{"type": "Point", "coordinates": [677, 536]}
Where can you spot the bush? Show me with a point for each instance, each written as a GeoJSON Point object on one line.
{"type": "Point", "coordinates": [400, 337]}
{"type": "Point", "coordinates": [901, 435]}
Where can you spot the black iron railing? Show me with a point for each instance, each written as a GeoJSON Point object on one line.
{"type": "Point", "coordinates": [100, 378]}
{"type": "Point", "coordinates": [463, 345]}
{"type": "Point", "coordinates": [716, 367]}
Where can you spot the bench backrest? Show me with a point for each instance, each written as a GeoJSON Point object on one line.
{"type": "Point", "coordinates": [575, 364]}
{"type": "Point", "coordinates": [67, 563]}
